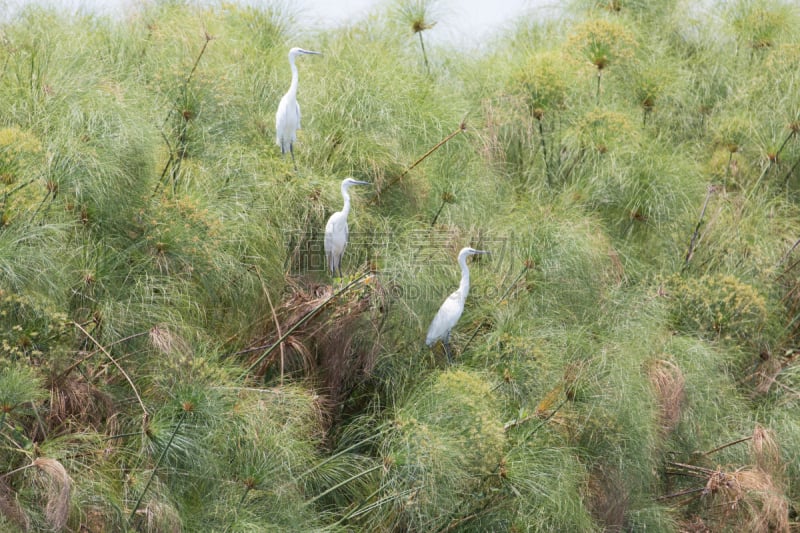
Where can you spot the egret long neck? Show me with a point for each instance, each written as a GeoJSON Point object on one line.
{"type": "Point", "coordinates": [293, 86]}
{"type": "Point", "coordinates": [463, 287]}
{"type": "Point", "coordinates": [346, 206]}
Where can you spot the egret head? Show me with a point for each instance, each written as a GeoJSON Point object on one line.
{"type": "Point", "coordinates": [294, 52]}
{"type": "Point", "coordinates": [347, 182]}
{"type": "Point", "coordinates": [470, 251]}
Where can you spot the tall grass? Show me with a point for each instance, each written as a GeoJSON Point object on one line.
{"type": "Point", "coordinates": [173, 354]}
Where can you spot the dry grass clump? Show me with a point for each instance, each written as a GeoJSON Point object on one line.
{"type": "Point", "coordinates": [317, 331]}
{"type": "Point", "coordinates": [166, 341]}
{"type": "Point", "coordinates": [670, 390]}
{"type": "Point", "coordinates": [160, 517]}
{"type": "Point", "coordinates": [768, 370]}
{"type": "Point", "coordinates": [57, 486]}
{"type": "Point", "coordinates": [765, 451]}
{"type": "Point", "coordinates": [750, 498]}
{"type": "Point", "coordinates": [10, 508]}
{"type": "Point", "coordinates": [53, 496]}
{"type": "Point", "coordinates": [75, 402]}
{"type": "Point", "coordinates": [609, 500]}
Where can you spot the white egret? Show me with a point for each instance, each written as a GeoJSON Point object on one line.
{"type": "Point", "coordinates": [287, 119]}
{"type": "Point", "coordinates": [453, 306]}
{"type": "Point", "coordinates": [336, 229]}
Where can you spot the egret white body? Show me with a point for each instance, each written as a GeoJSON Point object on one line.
{"type": "Point", "coordinates": [287, 119]}
{"type": "Point", "coordinates": [336, 230]}
{"type": "Point", "coordinates": [453, 306]}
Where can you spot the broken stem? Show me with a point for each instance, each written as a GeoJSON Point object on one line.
{"type": "Point", "coordinates": [718, 448]}
{"type": "Point", "coordinates": [696, 234]}
{"type": "Point", "coordinates": [461, 128]}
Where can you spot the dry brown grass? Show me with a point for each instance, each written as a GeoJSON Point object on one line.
{"type": "Point", "coordinates": [11, 509]}
{"type": "Point", "coordinates": [767, 372]}
{"type": "Point", "coordinates": [167, 342]}
{"type": "Point", "coordinates": [57, 487]}
{"type": "Point", "coordinates": [324, 343]}
{"type": "Point", "coordinates": [749, 498]}
{"type": "Point", "coordinates": [694, 524]}
{"type": "Point", "coordinates": [765, 451]}
{"type": "Point", "coordinates": [160, 518]}
{"type": "Point", "coordinates": [670, 390]}
{"type": "Point", "coordinates": [75, 404]}
{"type": "Point", "coordinates": [608, 499]}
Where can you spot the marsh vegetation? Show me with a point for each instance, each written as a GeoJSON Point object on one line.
{"type": "Point", "coordinates": [175, 357]}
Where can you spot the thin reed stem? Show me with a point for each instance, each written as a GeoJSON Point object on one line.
{"type": "Point", "coordinates": [438, 212]}
{"type": "Point", "coordinates": [424, 55]}
{"type": "Point", "coordinates": [597, 94]}
{"type": "Point", "coordinates": [158, 464]}
{"type": "Point", "coordinates": [85, 358]}
{"type": "Point", "coordinates": [543, 143]}
{"type": "Point", "coordinates": [343, 483]}
{"type": "Point", "coordinates": [461, 129]}
{"type": "Point", "coordinates": [791, 171]}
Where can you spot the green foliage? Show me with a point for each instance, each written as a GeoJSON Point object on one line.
{"type": "Point", "coordinates": [446, 436]}
{"type": "Point", "coordinates": [639, 309]}
{"type": "Point", "coordinates": [717, 306]}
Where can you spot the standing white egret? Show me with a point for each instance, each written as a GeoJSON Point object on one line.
{"type": "Point", "coordinates": [453, 306]}
{"type": "Point", "coordinates": [336, 229]}
{"type": "Point", "coordinates": [287, 119]}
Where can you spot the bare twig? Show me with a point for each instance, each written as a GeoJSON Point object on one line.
{"type": "Point", "coordinates": [538, 117]}
{"type": "Point", "coordinates": [680, 493]}
{"type": "Point", "coordinates": [787, 254]}
{"type": "Point", "coordinates": [274, 319]}
{"type": "Point", "coordinates": [20, 469]}
{"type": "Point", "coordinates": [208, 38]}
{"type": "Point", "coordinates": [278, 329]}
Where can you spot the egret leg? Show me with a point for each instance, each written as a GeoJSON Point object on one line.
{"type": "Point", "coordinates": [446, 344]}
{"type": "Point", "coordinates": [291, 151]}
{"type": "Point", "coordinates": [337, 268]}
